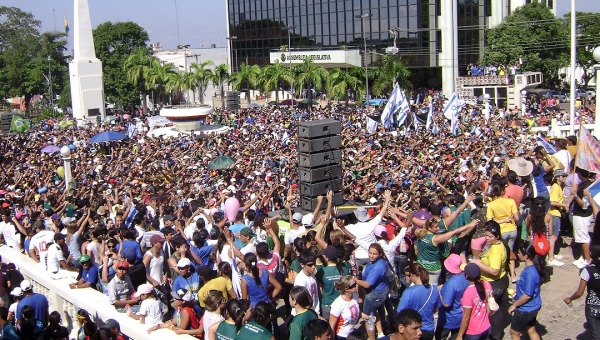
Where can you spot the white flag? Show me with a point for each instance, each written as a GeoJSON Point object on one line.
{"type": "Point", "coordinates": [451, 106]}
{"type": "Point", "coordinates": [371, 125]}
{"type": "Point", "coordinates": [429, 116]}
{"type": "Point", "coordinates": [391, 106]}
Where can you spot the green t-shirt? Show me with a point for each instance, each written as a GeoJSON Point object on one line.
{"type": "Point", "coordinates": [254, 331]}
{"type": "Point", "coordinates": [296, 266]}
{"type": "Point", "coordinates": [428, 254]}
{"type": "Point", "coordinates": [299, 323]}
{"type": "Point", "coordinates": [226, 331]}
{"type": "Point", "coordinates": [327, 276]}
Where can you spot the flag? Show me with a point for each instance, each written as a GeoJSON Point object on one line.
{"type": "Point", "coordinates": [594, 189]}
{"type": "Point", "coordinates": [19, 124]}
{"type": "Point", "coordinates": [131, 130]}
{"type": "Point", "coordinates": [285, 138]}
{"type": "Point", "coordinates": [451, 106]}
{"type": "Point", "coordinates": [66, 25]}
{"type": "Point", "coordinates": [588, 151]}
{"type": "Point", "coordinates": [371, 125]}
{"type": "Point", "coordinates": [550, 149]}
{"type": "Point", "coordinates": [429, 116]}
{"type": "Point", "coordinates": [435, 130]}
{"type": "Point", "coordinates": [132, 212]}
{"type": "Point", "coordinates": [391, 106]}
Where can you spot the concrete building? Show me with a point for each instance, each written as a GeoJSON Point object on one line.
{"type": "Point", "coordinates": [437, 39]}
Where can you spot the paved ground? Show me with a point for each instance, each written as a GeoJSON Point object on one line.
{"type": "Point", "coordinates": [557, 321]}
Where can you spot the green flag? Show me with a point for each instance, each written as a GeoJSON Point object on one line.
{"type": "Point", "coordinates": [19, 124]}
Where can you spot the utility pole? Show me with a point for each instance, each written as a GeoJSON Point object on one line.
{"type": "Point", "coordinates": [362, 18]}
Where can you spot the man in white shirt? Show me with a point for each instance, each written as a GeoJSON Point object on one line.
{"type": "Point", "coordinates": [306, 277]}
{"type": "Point", "coordinates": [248, 238]}
{"type": "Point", "coordinates": [40, 242]}
{"type": "Point", "coordinates": [11, 237]}
{"type": "Point", "coordinates": [57, 265]}
{"type": "Point", "coordinates": [296, 229]}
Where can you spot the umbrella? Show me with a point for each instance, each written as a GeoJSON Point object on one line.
{"type": "Point", "coordinates": [107, 136]}
{"type": "Point", "coordinates": [221, 162]}
{"type": "Point", "coordinates": [287, 102]}
{"type": "Point", "coordinates": [253, 105]}
{"type": "Point", "coordinates": [313, 102]}
{"type": "Point", "coordinates": [66, 123]}
{"type": "Point", "coordinates": [50, 149]}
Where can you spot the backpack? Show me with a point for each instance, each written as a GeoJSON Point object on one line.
{"type": "Point", "coordinates": [541, 244]}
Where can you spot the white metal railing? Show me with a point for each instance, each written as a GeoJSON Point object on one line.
{"type": "Point", "coordinates": [66, 300]}
{"type": "Point", "coordinates": [562, 131]}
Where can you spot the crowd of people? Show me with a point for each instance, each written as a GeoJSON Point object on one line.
{"type": "Point", "coordinates": [431, 250]}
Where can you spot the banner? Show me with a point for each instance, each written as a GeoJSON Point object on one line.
{"type": "Point", "coordinates": [588, 151]}
{"type": "Point", "coordinates": [19, 124]}
{"type": "Point", "coordinates": [594, 189]}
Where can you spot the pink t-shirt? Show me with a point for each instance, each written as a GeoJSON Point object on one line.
{"type": "Point", "coordinates": [515, 192]}
{"type": "Point", "coordinates": [480, 320]}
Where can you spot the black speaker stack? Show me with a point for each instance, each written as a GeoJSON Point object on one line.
{"type": "Point", "coordinates": [320, 162]}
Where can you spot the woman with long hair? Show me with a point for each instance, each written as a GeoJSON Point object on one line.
{"type": "Point", "coordinates": [475, 323]}
{"type": "Point", "coordinates": [478, 238]}
{"type": "Point", "coordinates": [258, 327]}
{"type": "Point", "coordinates": [422, 297]}
{"type": "Point", "coordinates": [504, 211]}
{"type": "Point", "coordinates": [255, 281]}
{"type": "Point", "coordinates": [345, 311]}
{"type": "Point", "coordinates": [74, 230]}
{"type": "Point", "coordinates": [590, 279]}
{"type": "Point", "coordinates": [527, 300]}
{"type": "Point", "coordinates": [214, 304]}
{"type": "Point", "coordinates": [557, 206]}
{"type": "Point", "coordinates": [494, 266]}
{"type": "Point", "coordinates": [185, 317]}
{"type": "Point", "coordinates": [235, 315]}
{"type": "Point", "coordinates": [301, 300]}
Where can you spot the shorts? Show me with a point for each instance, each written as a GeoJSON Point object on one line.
{"type": "Point", "coordinates": [555, 225]}
{"type": "Point", "coordinates": [510, 239]}
{"type": "Point", "coordinates": [522, 320]}
{"type": "Point", "coordinates": [581, 228]}
{"type": "Point", "coordinates": [374, 300]}
{"type": "Point", "coordinates": [478, 243]}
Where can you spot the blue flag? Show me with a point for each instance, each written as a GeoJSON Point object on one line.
{"type": "Point", "coordinates": [550, 149]}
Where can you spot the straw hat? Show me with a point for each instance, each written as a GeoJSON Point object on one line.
{"type": "Point", "coordinates": [521, 166]}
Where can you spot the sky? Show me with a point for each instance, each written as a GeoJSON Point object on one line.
{"type": "Point", "coordinates": [201, 22]}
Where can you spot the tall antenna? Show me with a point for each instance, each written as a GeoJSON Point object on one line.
{"type": "Point", "coordinates": [177, 22]}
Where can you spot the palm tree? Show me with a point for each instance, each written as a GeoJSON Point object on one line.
{"type": "Point", "coordinates": [391, 70]}
{"type": "Point", "coordinates": [340, 81]}
{"type": "Point", "coordinates": [136, 66]}
{"type": "Point", "coordinates": [247, 75]}
{"type": "Point", "coordinates": [202, 75]}
{"type": "Point", "coordinates": [175, 84]}
{"type": "Point", "coordinates": [310, 75]}
{"type": "Point", "coordinates": [270, 77]}
{"type": "Point", "coordinates": [158, 77]}
{"type": "Point", "coordinates": [220, 76]}
{"type": "Point", "coordinates": [190, 84]}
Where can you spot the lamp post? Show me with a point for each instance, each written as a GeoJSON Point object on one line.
{"type": "Point", "coordinates": [50, 87]}
{"type": "Point", "coordinates": [596, 55]}
{"type": "Point", "coordinates": [65, 152]}
{"type": "Point", "coordinates": [486, 100]}
{"type": "Point", "coordinates": [362, 19]}
{"type": "Point", "coordinates": [523, 102]}
{"type": "Point", "coordinates": [229, 59]}
{"type": "Point", "coordinates": [289, 33]}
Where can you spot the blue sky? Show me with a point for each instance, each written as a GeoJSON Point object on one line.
{"type": "Point", "coordinates": [200, 21]}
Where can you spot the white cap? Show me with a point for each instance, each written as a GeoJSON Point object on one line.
{"type": "Point", "coordinates": [184, 262]}
{"type": "Point", "coordinates": [145, 288]}
{"type": "Point", "coordinates": [307, 219]}
{"type": "Point", "coordinates": [16, 292]}
{"type": "Point", "coordinates": [26, 285]}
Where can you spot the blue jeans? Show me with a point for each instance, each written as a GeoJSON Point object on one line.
{"type": "Point", "coordinates": [481, 336]}
{"type": "Point", "coordinates": [374, 300]}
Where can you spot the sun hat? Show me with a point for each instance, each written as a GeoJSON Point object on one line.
{"type": "Point", "coordinates": [452, 263]}
{"type": "Point", "coordinates": [361, 214]}
{"type": "Point", "coordinates": [521, 166]}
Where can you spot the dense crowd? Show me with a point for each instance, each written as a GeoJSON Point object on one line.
{"type": "Point", "coordinates": [430, 251]}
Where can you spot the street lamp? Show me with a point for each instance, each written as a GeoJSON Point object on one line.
{"type": "Point", "coordinates": [596, 55]}
{"type": "Point", "coordinates": [50, 87]}
{"type": "Point", "coordinates": [486, 100]}
{"type": "Point", "coordinates": [229, 39]}
{"type": "Point", "coordinates": [523, 102]}
{"type": "Point", "coordinates": [65, 152]}
{"type": "Point", "coordinates": [362, 19]}
{"type": "Point", "coordinates": [289, 32]}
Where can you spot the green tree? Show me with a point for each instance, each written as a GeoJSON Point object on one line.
{"type": "Point", "coordinates": [248, 76]}
{"type": "Point", "coordinates": [588, 38]}
{"type": "Point", "coordinates": [220, 76]}
{"type": "Point", "coordinates": [136, 67]}
{"type": "Point", "coordinates": [202, 74]}
{"type": "Point", "coordinates": [309, 75]}
{"type": "Point", "coordinates": [114, 42]}
{"type": "Point", "coordinates": [340, 81]}
{"type": "Point", "coordinates": [158, 77]}
{"type": "Point", "coordinates": [272, 75]}
{"type": "Point", "coordinates": [533, 34]}
{"type": "Point", "coordinates": [176, 84]}
{"type": "Point", "coordinates": [388, 71]}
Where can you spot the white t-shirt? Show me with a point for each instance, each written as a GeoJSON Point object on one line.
{"type": "Point", "coordinates": [55, 255]}
{"type": "Point", "coordinates": [11, 237]}
{"type": "Point", "coordinates": [94, 247]}
{"type": "Point", "coordinates": [248, 248]}
{"type": "Point", "coordinates": [225, 254]}
{"type": "Point", "coordinates": [347, 313]}
{"type": "Point", "coordinates": [564, 157]}
{"type": "Point", "coordinates": [292, 234]}
{"type": "Point", "coordinates": [40, 242]}
{"type": "Point", "coordinates": [152, 310]}
{"type": "Point", "coordinates": [210, 319]}
{"type": "Point", "coordinates": [363, 231]}
{"type": "Point", "coordinates": [310, 283]}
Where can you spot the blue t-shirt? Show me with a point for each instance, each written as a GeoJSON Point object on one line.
{"type": "Point", "coordinates": [451, 293]}
{"type": "Point", "coordinates": [540, 185]}
{"type": "Point", "coordinates": [90, 275]}
{"type": "Point", "coordinates": [236, 228]}
{"type": "Point", "coordinates": [529, 284]}
{"type": "Point", "coordinates": [191, 283]}
{"type": "Point", "coordinates": [39, 304]}
{"type": "Point", "coordinates": [423, 299]}
{"type": "Point", "coordinates": [374, 274]}
{"type": "Point", "coordinates": [131, 244]}
{"type": "Point", "coordinates": [204, 254]}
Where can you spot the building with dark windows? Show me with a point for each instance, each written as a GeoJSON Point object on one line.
{"type": "Point", "coordinates": [437, 39]}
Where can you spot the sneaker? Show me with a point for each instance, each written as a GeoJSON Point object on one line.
{"type": "Point", "coordinates": [555, 263]}
{"type": "Point", "coordinates": [578, 261]}
{"type": "Point", "coordinates": [558, 257]}
{"type": "Point", "coordinates": [582, 265]}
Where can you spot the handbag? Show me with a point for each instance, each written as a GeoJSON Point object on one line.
{"type": "Point", "coordinates": [428, 298]}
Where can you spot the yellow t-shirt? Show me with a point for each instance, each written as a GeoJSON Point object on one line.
{"type": "Point", "coordinates": [495, 258]}
{"type": "Point", "coordinates": [220, 283]}
{"type": "Point", "coordinates": [556, 195]}
{"type": "Point", "coordinates": [500, 209]}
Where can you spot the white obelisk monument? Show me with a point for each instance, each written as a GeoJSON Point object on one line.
{"type": "Point", "coordinates": [85, 70]}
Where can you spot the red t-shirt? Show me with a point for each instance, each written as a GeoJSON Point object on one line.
{"type": "Point", "coordinates": [515, 192]}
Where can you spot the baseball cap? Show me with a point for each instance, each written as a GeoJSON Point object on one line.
{"type": "Point", "coordinates": [26, 285]}
{"type": "Point", "coordinates": [84, 258]}
{"type": "Point", "coordinates": [330, 252]}
{"type": "Point", "coordinates": [59, 236]}
{"type": "Point", "coordinates": [55, 217]}
{"type": "Point", "coordinates": [361, 214]}
{"type": "Point", "coordinates": [38, 224]}
{"type": "Point", "coordinates": [297, 217]}
{"type": "Point", "coordinates": [145, 288]}
{"type": "Point", "coordinates": [307, 219]}
{"type": "Point", "coordinates": [168, 218]}
{"type": "Point", "coordinates": [247, 232]}
{"type": "Point", "coordinates": [182, 294]}
{"type": "Point", "coordinates": [379, 229]}
{"type": "Point", "coordinates": [123, 264]}
{"type": "Point", "coordinates": [129, 255]}
{"type": "Point", "coordinates": [472, 271]}
{"type": "Point", "coordinates": [156, 239]}
{"type": "Point", "coordinates": [183, 262]}
{"type": "Point", "coordinates": [110, 324]}
{"type": "Point", "coordinates": [17, 292]}
{"type": "Point", "coordinates": [558, 173]}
